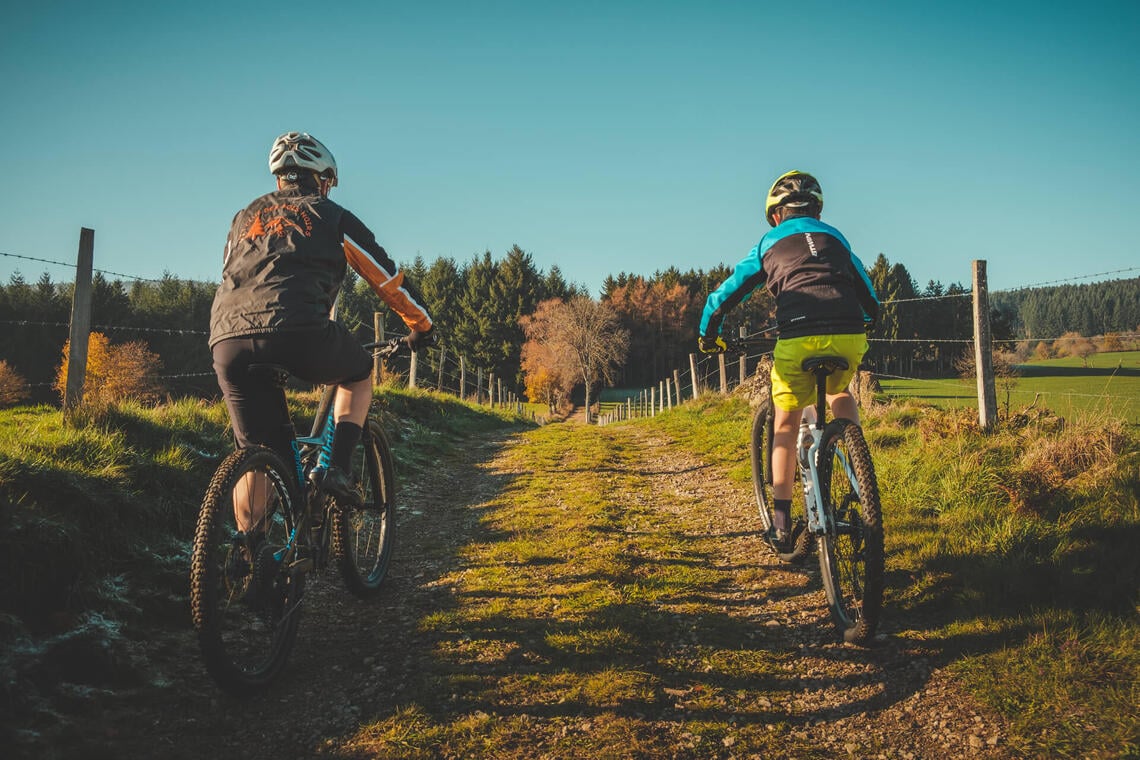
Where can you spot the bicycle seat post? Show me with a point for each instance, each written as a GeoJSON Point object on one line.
{"type": "Point", "coordinates": [821, 374]}
{"type": "Point", "coordinates": [821, 367]}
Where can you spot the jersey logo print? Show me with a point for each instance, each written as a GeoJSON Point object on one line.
{"type": "Point", "coordinates": [811, 245]}
{"type": "Point", "coordinates": [277, 221]}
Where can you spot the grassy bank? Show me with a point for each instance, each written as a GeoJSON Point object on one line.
{"type": "Point", "coordinates": [97, 516]}
{"type": "Point", "coordinates": [1016, 550]}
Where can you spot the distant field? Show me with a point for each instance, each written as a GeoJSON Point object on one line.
{"type": "Point", "coordinates": [1110, 384]}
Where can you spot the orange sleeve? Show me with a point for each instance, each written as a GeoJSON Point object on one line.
{"type": "Point", "coordinates": [390, 288]}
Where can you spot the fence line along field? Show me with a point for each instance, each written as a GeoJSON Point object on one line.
{"type": "Point", "coordinates": [1105, 384]}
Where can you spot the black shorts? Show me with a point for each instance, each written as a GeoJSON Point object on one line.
{"type": "Point", "coordinates": [327, 355]}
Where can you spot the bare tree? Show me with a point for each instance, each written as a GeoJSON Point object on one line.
{"type": "Point", "coordinates": [596, 340]}
{"type": "Point", "coordinates": [584, 336]}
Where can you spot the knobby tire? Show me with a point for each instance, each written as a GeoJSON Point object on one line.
{"type": "Point", "coordinates": [363, 539]}
{"type": "Point", "coordinates": [245, 637]}
{"type": "Point", "coordinates": [851, 554]}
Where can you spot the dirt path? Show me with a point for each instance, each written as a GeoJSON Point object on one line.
{"type": "Point", "coordinates": [360, 663]}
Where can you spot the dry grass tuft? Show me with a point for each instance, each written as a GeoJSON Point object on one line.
{"type": "Point", "coordinates": [949, 424]}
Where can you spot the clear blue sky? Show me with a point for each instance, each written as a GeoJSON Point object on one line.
{"type": "Point", "coordinates": [598, 136]}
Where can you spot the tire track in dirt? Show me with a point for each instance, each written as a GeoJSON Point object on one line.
{"type": "Point", "coordinates": [893, 701]}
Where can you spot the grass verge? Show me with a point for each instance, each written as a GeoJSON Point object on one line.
{"type": "Point", "coordinates": [1015, 550]}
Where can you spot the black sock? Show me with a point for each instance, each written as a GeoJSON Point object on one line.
{"type": "Point", "coordinates": [781, 517]}
{"type": "Point", "coordinates": [345, 437]}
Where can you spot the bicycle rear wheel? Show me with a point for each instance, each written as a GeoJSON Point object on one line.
{"type": "Point", "coordinates": [851, 554]}
{"type": "Point", "coordinates": [245, 605]}
{"type": "Point", "coordinates": [363, 538]}
{"type": "Point", "coordinates": [760, 449]}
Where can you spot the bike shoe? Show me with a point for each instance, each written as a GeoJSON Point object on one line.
{"type": "Point", "coordinates": [338, 484]}
{"type": "Point", "coordinates": [782, 541]}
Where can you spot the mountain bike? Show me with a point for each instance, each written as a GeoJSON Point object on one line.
{"type": "Point", "coordinates": [836, 511]}
{"type": "Point", "coordinates": [246, 588]}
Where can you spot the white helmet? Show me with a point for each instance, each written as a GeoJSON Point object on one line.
{"type": "Point", "coordinates": [301, 150]}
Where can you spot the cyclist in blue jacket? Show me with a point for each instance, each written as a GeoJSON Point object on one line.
{"type": "Point", "coordinates": [825, 303]}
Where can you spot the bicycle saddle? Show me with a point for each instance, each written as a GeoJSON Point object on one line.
{"type": "Point", "coordinates": [826, 364]}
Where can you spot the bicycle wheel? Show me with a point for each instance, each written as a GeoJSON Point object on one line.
{"type": "Point", "coordinates": [760, 449]}
{"type": "Point", "coordinates": [244, 603]}
{"type": "Point", "coordinates": [363, 538]}
{"type": "Point", "coordinates": [851, 553]}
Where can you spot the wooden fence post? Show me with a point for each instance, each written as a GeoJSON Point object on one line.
{"type": "Point", "coordinates": [983, 351]}
{"type": "Point", "coordinates": [412, 369]}
{"type": "Point", "coordinates": [80, 323]}
{"type": "Point", "coordinates": [378, 336]}
{"type": "Point", "coordinates": [463, 378]}
{"type": "Point", "coordinates": [723, 373]}
{"type": "Point", "coordinates": [442, 356]}
{"type": "Point", "coordinates": [677, 385]}
{"type": "Point", "coordinates": [693, 373]}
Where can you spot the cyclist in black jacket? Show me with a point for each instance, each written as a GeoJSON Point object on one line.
{"type": "Point", "coordinates": [825, 302]}
{"type": "Point", "coordinates": [285, 259]}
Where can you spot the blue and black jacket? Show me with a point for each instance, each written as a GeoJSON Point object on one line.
{"type": "Point", "coordinates": [820, 286]}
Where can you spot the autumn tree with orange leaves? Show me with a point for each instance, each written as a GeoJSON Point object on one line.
{"type": "Point", "coordinates": [659, 317]}
{"type": "Point", "coordinates": [115, 373]}
{"type": "Point", "coordinates": [546, 368]}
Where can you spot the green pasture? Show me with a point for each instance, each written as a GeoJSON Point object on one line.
{"type": "Point", "coordinates": [1109, 386]}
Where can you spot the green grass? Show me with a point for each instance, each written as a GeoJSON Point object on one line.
{"type": "Point", "coordinates": [576, 624]}
{"type": "Point", "coordinates": [1108, 387]}
{"type": "Point", "coordinates": [574, 606]}
{"type": "Point", "coordinates": [1015, 551]}
{"type": "Point", "coordinates": [117, 492]}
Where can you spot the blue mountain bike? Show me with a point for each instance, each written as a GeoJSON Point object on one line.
{"type": "Point", "coordinates": [247, 587]}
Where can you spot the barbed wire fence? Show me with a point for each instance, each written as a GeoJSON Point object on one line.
{"type": "Point", "coordinates": [434, 368]}
{"type": "Point", "coordinates": [447, 372]}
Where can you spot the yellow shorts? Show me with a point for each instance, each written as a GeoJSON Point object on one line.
{"type": "Point", "coordinates": [792, 388]}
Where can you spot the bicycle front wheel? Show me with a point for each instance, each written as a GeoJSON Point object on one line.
{"type": "Point", "coordinates": [851, 552]}
{"type": "Point", "coordinates": [760, 449]}
{"type": "Point", "coordinates": [245, 604]}
{"type": "Point", "coordinates": [363, 538]}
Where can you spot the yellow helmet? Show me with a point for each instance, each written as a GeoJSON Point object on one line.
{"type": "Point", "coordinates": [794, 189]}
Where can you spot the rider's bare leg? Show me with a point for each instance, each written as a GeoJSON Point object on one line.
{"type": "Point", "coordinates": [843, 405]}
{"type": "Point", "coordinates": [352, 401]}
{"type": "Point", "coordinates": [251, 496]}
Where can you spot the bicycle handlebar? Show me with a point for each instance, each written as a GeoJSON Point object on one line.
{"type": "Point", "coordinates": [387, 348]}
{"type": "Point", "coordinates": [744, 345]}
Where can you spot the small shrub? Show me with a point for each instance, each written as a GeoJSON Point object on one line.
{"type": "Point", "coordinates": [13, 387]}
{"type": "Point", "coordinates": [128, 371]}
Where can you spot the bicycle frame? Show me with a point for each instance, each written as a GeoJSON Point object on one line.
{"type": "Point", "coordinates": [320, 439]}
{"type": "Point", "coordinates": [818, 518]}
